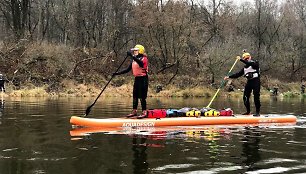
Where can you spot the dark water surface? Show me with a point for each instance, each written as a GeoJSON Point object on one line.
{"type": "Point", "coordinates": [35, 138]}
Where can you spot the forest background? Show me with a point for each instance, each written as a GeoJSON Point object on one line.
{"type": "Point", "coordinates": [74, 46]}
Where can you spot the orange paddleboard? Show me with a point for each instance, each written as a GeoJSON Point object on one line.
{"type": "Point", "coordinates": [180, 121]}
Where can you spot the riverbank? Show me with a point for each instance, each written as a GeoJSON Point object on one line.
{"type": "Point", "coordinates": [71, 89]}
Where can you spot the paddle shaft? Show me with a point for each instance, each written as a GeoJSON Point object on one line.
{"type": "Point", "coordinates": [89, 108]}
{"type": "Point", "coordinates": [223, 82]}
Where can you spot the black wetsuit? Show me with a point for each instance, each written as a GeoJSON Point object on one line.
{"type": "Point", "coordinates": [252, 72]}
{"type": "Point", "coordinates": [2, 88]}
{"type": "Point", "coordinates": [141, 84]}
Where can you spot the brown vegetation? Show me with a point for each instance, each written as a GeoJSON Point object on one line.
{"type": "Point", "coordinates": [70, 46]}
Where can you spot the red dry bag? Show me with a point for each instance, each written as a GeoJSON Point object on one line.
{"type": "Point", "coordinates": [156, 113]}
{"type": "Point", "coordinates": [226, 112]}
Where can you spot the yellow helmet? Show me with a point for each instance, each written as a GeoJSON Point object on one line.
{"type": "Point", "coordinates": [140, 48]}
{"type": "Point", "coordinates": [246, 55]}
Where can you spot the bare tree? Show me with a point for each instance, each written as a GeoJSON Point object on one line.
{"type": "Point", "coordinates": [181, 37]}
{"type": "Point", "coordinates": [16, 13]}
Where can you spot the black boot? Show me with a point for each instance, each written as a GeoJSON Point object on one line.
{"type": "Point", "coordinates": [246, 113]}
{"type": "Point", "coordinates": [257, 114]}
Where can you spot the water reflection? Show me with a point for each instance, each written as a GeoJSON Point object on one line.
{"type": "Point", "coordinates": [139, 148]}
{"type": "Point", "coordinates": [213, 150]}
{"type": "Point", "coordinates": [35, 139]}
{"type": "Point", "coordinates": [250, 147]}
{"type": "Point", "coordinates": [211, 135]}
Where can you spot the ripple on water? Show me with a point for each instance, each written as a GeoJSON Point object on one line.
{"type": "Point", "coordinates": [301, 122]}
{"type": "Point", "coordinates": [174, 166]}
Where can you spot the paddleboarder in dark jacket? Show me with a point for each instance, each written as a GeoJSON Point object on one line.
{"type": "Point", "coordinates": [2, 81]}
{"type": "Point", "coordinates": [139, 67]}
{"type": "Point", "coordinates": [251, 71]}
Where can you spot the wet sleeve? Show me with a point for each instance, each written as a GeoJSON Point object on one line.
{"type": "Point", "coordinates": [238, 74]}
{"type": "Point", "coordinates": [140, 63]}
{"type": "Point", "coordinates": [128, 69]}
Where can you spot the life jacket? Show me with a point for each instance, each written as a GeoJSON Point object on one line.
{"type": "Point", "coordinates": [212, 113]}
{"type": "Point", "coordinates": [250, 72]}
{"type": "Point", "coordinates": [137, 70]}
{"type": "Point", "coordinates": [193, 113]}
{"type": "Point", "coordinates": [203, 110]}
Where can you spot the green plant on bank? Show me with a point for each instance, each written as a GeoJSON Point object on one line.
{"type": "Point", "coordinates": [290, 94]}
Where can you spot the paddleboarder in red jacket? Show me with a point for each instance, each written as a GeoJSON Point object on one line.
{"type": "Point", "coordinates": [139, 67]}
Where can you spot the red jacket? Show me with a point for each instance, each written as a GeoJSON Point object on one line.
{"type": "Point", "coordinates": [140, 71]}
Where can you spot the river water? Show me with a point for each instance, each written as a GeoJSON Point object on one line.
{"type": "Point", "coordinates": [36, 138]}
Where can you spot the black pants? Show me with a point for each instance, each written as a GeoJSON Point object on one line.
{"type": "Point", "coordinates": [252, 85]}
{"type": "Point", "coordinates": [140, 91]}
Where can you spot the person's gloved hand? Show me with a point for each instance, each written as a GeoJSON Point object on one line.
{"type": "Point", "coordinates": [129, 53]}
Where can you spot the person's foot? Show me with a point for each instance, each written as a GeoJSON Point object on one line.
{"type": "Point", "coordinates": [246, 113]}
{"type": "Point", "coordinates": [143, 115]}
{"type": "Point", "coordinates": [134, 113]}
{"type": "Point", "coordinates": [256, 115]}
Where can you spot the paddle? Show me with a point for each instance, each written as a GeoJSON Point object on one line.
{"type": "Point", "coordinates": [223, 82]}
{"type": "Point", "coordinates": [89, 107]}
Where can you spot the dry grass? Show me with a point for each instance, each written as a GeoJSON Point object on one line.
{"type": "Point", "coordinates": [126, 90]}
{"type": "Point", "coordinates": [34, 92]}
{"type": "Point", "coordinates": [71, 88]}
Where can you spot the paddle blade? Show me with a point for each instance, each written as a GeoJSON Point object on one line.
{"type": "Point", "coordinates": [88, 110]}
